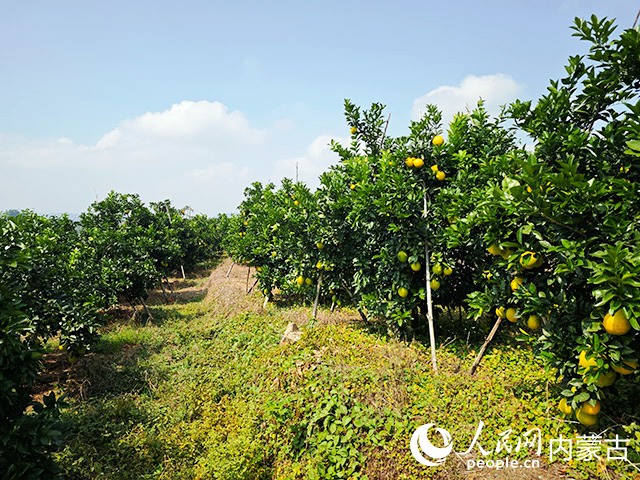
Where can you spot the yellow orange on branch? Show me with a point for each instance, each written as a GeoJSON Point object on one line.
{"type": "Point", "coordinates": [516, 283]}
{"type": "Point", "coordinates": [616, 324]}
{"type": "Point", "coordinates": [586, 419]}
{"type": "Point", "coordinates": [591, 409]}
{"type": "Point", "coordinates": [626, 368]}
{"type": "Point", "coordinates": [585, 362]}
{"type": "Point", "coordinates": [564, 407]}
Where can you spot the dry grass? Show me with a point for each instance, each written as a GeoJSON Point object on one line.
{"type": "Point", "coordinates": [228, 296]}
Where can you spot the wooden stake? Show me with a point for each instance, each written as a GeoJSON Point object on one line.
{"type": "Point", "coordinates": [315, 303]}
{"type": "Point", "coordinates": [266, 300]}
{"type": "Point", "coordinates": [246, 288]}
{"type": "Point", "coordinates": [432, 334]}
{"type": "Point", "coordinates": [229, 271]}
{"type": "Point", "coordinates": [252, 286]}
{"type": "Point", "coordinates": [493, 331]}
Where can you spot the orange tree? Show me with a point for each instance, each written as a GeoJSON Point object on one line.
{"type": "Point", "coordinates": [364, 231]}
{"type": "Point", "coordinates": [561, 223]}
{"type": "Point", "coordinates": [117, 250]}
{"type": "Point", "coordinates": [171, 238]}
{"type": "Point", "coordinates": [389, 198]}
{"type": "Point", "coordinates": [126, 248]}
{"type": "Point", "coordinates": [272, 233]}
{"type": "Point", "coordinates": [56, 278]}
{"type": "Point", "coordinates": [56, 296]}
{"type": "Point", "coordinates": [205, 237]}
{"type": "Point", "coordinates": [26, 437]}
{"type": "Point", "coordinates": [179, 241]}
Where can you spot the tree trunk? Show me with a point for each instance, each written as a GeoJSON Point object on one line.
{"type": "Point", "coordinates": [353, 300]}
{"type": "Point", "coordinates": [146, 309]}
{"type": "Point", "coordinates": [164, 292]}
{"type": "Point", "coordinates": [170, 285]}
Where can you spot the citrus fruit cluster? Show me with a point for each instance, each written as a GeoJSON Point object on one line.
{"type": "Point", "coordinates": [414, 162]}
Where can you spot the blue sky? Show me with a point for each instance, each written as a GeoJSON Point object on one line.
{"type": "Point", "coordinates": [193, 100]}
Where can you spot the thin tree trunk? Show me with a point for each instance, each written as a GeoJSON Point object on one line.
{"type": "Point", "coordinates": [135, 310]}
{"type": "Point", "coordinates": [493, 331]}
{"type": "Point", "coordinates": [164, 292]}
{"type": "Point", "coordinates": [266, 300]}
{"type": "Point", "coordinates": [146, 308]}
{"type": "Point", "coordinates": [353, 300]}
{"type": "Point", "coordinates": [170, 285]}
{"type": "Point", "coordinates": [246, 288]}
{"type": "Point", "coordinates": [384, 134]}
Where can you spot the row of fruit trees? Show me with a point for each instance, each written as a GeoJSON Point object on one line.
{"type": "Point", "coordinates": [59, 278]}
{"type": "Point", "coordinates": [545, 236]}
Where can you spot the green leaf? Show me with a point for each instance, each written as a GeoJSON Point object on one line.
{"type": "Point", "coordinates": [582, 397]}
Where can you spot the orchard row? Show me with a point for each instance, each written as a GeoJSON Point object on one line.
{"type": "Point", "coordinates": [60, 277]}
{"type": "Point", "coordinates": [545, 236]}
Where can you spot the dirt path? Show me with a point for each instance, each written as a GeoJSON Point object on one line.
{"type": "Point", "coordinates": [227, 296]}
{"type": "Point", "coordinates": [223, 296]}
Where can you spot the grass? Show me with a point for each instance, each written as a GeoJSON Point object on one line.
{"type": "Point", "coordinates": [203, 395]}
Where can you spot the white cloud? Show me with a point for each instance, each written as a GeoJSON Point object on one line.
{"type": "Point", "coordinates": [316, 160]}
{"type": "Point", "coordinates": [217, 173]}
{"type": "Point", "coordinates": [495, 90]}
{"type": "Point", "coordinates": [201, 121]}
{"type": "Point", "coordinates": [187, 132]}
{"type": "Point", "coordinates": [196, 153]}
